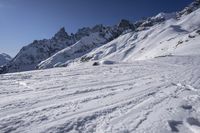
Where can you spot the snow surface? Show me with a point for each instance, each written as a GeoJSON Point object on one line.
{"type": "Point", "coordinates": [161, 95]}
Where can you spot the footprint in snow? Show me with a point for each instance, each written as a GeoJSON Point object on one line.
{"type": "Point", "coordinates": [193, 124]}
{"type": "Point", "coordinates": [191, 88]}
{"type": "Point", "coordinates": [186, 107]}
{"type": "Point", "coordinates": [186, 87]}
{"type": "Point", "coordinates": [174, 125]}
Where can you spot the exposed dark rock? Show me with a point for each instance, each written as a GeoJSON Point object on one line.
{"type": "Point", "coordinates": [125, 25]}
{"type": "Point", "coordinates": [96, 64]}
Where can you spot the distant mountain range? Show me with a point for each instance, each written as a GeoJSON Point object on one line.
{"type": "Point", "coordinates": [166, 34]}
{"type": "Point", "coordinates": [4, 59]}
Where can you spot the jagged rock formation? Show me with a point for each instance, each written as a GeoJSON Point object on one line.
{"type": "Point", "coordinates": [32, 54]}
{"type": "Point", "coordinates": [126, 25]}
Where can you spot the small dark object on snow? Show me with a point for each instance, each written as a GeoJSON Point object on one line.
{"type": "Point", "coordinates": [96, 64]}
{"type": "Point", "coordinates": [186, 107]}
{"type": "Point", "coordinates": [180, 42]}
{"type": "Point", "coordinates": [191, 36]}
{"type": "Point", "coordinates": [198, 31]}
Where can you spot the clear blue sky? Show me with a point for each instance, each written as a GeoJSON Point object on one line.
{"type": "Point", "coordinates": [22, 21]}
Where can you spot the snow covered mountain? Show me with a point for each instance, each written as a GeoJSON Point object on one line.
{"type": "Point", "coordinates": [97, 36]}
{"type": "Point", "coordinates": [32, 54]}
{"type": "Point", "coordinates": [4, 58]}
{"type": "Point", "coordinates": [189, 9]}
{"type": "Point", "coordinates": [77, 44]}
{"type": "Point", "coordinates": [140, 77]}
{"type": "Point", "coordinates": [162, 35]}
{"type": "Point", "coordinates": [79, 50]}
{"type": "Point", "coordinates": [171, 37]}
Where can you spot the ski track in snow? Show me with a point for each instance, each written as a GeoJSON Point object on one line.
{"type": "Point", "coordinates": [146, 96]}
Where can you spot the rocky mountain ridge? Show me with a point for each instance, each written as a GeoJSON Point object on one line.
{"type": "Point", "coordinates": [63, 48]}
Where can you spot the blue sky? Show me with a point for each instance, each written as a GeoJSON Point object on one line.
{"type": "Point", "coordinates": [22, 21]}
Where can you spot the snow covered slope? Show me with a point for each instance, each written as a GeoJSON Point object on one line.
{"type": "Point", "coordinates": [153, 96]}
{"type": "Point", "coordinates": [4, 58]}
{"type": "Point", "coordinates": [171, 37]}
{"type": "Point", "coordinates": [162, 35]}
{"type": "Point", "coordinates": [138, 78]}
{"type": "Point", "coordinates": [84, 40]}
{"type": "Point", "coordinates": [84, 45]}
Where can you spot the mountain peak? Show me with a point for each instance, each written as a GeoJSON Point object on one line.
{"type": "Point", "coordinates": [61, 34]}
{"type": "Point", "coordinates": [125, 24]}
{"type": "Point", "coordinates": [62, 29]}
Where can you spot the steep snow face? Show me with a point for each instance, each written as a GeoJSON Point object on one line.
{"type": "Point", "coordinates": [96, 38]}
{"type": "Point", "coordinates": [29, 56]}
{"type": "Point", "coordinates": [171, 37]}
{"type": "Point", "coordinates": [155, 96]}
{"type": "Point", "coordinates": [4, 58]}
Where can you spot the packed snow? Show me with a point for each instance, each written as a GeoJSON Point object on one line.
{"type": "Point", "coordinates": [153, 96]}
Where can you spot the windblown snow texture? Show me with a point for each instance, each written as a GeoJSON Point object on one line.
{"type": "Point", "coordinates": [155, 96]}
